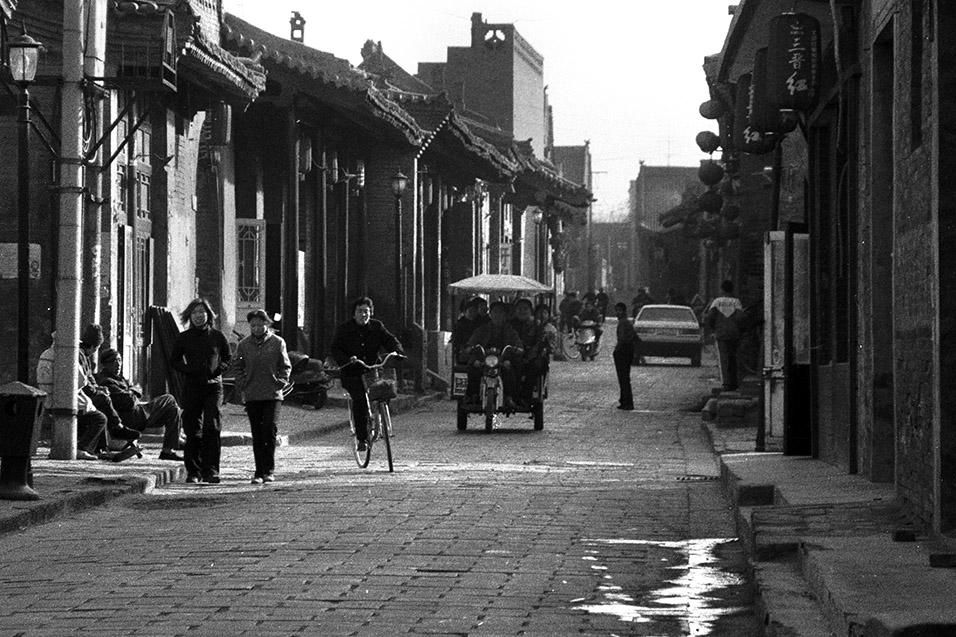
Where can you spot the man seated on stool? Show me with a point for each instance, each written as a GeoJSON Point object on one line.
{"type": "Point", "coordinates": [90, 423]}
{"type": "Point", "coordinates": [162, 411]}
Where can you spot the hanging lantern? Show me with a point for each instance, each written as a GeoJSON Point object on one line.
{"type": "Point", "coordinates": [793, 61]}
{"type": "Point", "coordinates": [764, 117]}
{"type": "Point", "coordinates": [708, 141]}
{"type": "Point", "coordinates": [710, 173]}
{"type": "Point", "coordinates": [710, 202]}
{"type": "Point", "coordinates": [712, 109]}
{"type": "Point", "coordinates": [746, 137]}
{"type": "Point", "coordinates": [730, 212]}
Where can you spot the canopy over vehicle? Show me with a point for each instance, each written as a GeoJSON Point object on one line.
{"type": "Point", "coordinates": [499, 284]}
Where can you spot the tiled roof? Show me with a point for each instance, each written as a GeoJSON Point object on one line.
{"type": "Point", "coordinates": [387, 73]}
{"type": "Point", "coordinates": [324, 68]}
{"type": "Point", "coordinates": [133, 23]}
{"type": "Point", "coordinates": [437, 116]}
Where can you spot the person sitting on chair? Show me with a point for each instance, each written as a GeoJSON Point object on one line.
{"type": "Point", "coordinates": [90, 341]}
{"type": "Point", "coordinates": [162, 411]}
{"type": "Point", "coordinates": [90, 423]}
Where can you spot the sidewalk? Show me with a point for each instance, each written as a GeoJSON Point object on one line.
{"type": "Point", "coordinates": [832, 554]}
{"type": "Point", "coordinates": [69, 486]}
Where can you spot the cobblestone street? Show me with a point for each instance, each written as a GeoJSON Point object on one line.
{"type": "Point", "coordinates": [605, 523]}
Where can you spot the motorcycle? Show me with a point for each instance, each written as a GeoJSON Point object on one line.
{"type": "Point", "coordinates": [491, 397]}
{"type": "Point", "coordinates": [309, 383]}
{"type": "Point", "coordinates": [586, 340]}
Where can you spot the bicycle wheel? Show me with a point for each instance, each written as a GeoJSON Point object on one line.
{"type": "Point", "coordinates": [386, 424]}
{"type": "Point", "coordinates": [362, 457]}
{"type": "Point", "coordinates": [569, 346]}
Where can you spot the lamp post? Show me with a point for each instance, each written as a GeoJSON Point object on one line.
{"type": "Point", "coordinates": [24, 52]}
{"type": "Point", "coordinates": [399, 182]}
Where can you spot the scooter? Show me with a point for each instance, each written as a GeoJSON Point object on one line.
{"type": "Point", "coordinates": [586, 340]}
{"type": "Point", "coordinates": [309, 383]}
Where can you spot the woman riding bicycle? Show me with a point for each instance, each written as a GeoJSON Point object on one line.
{"type": "Point", "coordinates": [361, 338]}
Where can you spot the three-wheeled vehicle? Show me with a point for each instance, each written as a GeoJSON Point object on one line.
{"type": "Point", "coordinates": [491, 404]}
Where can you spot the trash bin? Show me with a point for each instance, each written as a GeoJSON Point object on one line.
{"type": "Point", "coordinates": [21, 408]}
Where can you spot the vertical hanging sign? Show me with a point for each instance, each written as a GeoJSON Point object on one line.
{"type": "Point", "coordinates": [746, 137]}
{"type": "Point", "coordinates": [763, 116]}
{"type": "Point", "coordinates": [793, 61]}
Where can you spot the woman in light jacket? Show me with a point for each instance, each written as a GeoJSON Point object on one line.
{"type": "Point", "coordinates": [262, 369]}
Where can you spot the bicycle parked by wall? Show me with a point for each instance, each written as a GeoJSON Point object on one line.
{"type": "Point", "coordinates": [380, 389]}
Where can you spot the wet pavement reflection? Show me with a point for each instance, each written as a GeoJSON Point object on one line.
{"type": "Point", "coordinates": [686, 587]}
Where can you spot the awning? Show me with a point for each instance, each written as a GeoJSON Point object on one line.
{"type": "Point", "coordinates": [499, 284]}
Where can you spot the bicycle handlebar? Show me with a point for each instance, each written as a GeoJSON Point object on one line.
{"type": "Point", "coordinates": [358, 361]}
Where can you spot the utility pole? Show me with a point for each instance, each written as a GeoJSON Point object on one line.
{"type": "Point", "coordinates": [70, 265]}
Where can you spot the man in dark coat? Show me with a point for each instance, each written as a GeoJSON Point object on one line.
{"type": "Point", "coordinates": [496, 334]}
{"type": "Point", "coordinates": [162, 411]}
{"type": "Point", "coordinates": [361, 338]}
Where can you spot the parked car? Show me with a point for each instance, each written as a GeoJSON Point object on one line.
{"type": "Point", "coordinates": [668, 330]}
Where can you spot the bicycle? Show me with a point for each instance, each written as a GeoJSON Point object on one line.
{"type": "Point", "coordinates": [379, 383]}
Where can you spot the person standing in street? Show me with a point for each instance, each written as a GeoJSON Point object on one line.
{"type": "Point", "coordinates": [624, 356]}
{"type": "Point", "coordinates": [262, 370]}
{"type": "Point", "coordinates": [724, 316]}
{"type": "Point", "coordinates": [201, 354]}
{"type": "Point", "coordinates": [361, 338]}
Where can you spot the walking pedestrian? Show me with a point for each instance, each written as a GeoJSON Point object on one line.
{"type": "Point", "coordinates": [624, 356]}
{"type": "Point", "coordinates": [262, 370]}
{"type": "Point", "coordinates": [725, 316]}
{"type": "Point", "coordinates": [201, 354]}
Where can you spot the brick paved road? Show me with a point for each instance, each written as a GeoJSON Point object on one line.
{"type": "Point", "coordinates": [599, 525]}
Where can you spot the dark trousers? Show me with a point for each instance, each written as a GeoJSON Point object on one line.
{"type": "Point", "coordinates": [356, 389]}
{"type": "Point", "coordinates": [104, 404]}
{"type": "Point", "coordinates": [263, 419]}
{"type": "Point", "coordinates": [202, 424]}
{"type": "Point", "coordinates": [162, 411]}
{"type": "Point", "coordinates": [623, 358]}
{"type": "Point", "coordinates": [727, 356]}
{"type": "Point", "coordinates": [90, 428]}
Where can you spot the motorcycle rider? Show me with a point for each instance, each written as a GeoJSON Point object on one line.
{"type": "Point", "coordinates": [529, 366]}
{"type": "Point", "coordinates": [470, 320]}
{"type": "Point", "coordinates": [495, 334]}
{"type": "Point", "coordinates": [591, 313]}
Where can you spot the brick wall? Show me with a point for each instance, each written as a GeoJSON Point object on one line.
{"type": "Point", "coordinates": [914, 276]}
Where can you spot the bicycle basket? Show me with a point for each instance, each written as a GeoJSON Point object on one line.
{"type": "Point", "coordinates": [380, 384]}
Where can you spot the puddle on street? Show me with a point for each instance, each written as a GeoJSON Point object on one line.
{"type": "Point", "coordinates": [686, 585]}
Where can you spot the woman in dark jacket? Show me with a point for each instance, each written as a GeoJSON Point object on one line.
{"type": "Point", "coordinates": [262, 370]}
{"type": "Point", "coordinates": [201, 354]}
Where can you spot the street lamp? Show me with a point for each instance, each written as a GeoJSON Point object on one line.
{"type": "Point", "coordinates": [22, 62]}
{"type": "Point", "coordinates": [399, 183]}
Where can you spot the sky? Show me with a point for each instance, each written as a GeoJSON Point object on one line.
{"type": "Point", "coordinates": [624, 74]}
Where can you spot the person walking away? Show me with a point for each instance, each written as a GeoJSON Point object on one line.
{"type": "Point", "coordinates": [602, 300]}
{"type": "Point", "coordinates": [724, 317]}
{"type": "Point", "coordinates": [201, 354]}
{"type": "Point", "coordinates": [624, 356]}
{"type": "Point", "coordinates": [162, 411]}
{"type": "Point", "coordinates": [262, 370]}
{"type": "Point", "coordinates": [361, 338]}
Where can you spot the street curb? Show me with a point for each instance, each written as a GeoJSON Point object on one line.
{"type": "Point", "coordinates": [49, 510]}
{"type": "Point", "coordinates": [783, 601]}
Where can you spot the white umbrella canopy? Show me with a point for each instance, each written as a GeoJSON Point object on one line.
{"type": "Point", "coordinates": [499, 284]}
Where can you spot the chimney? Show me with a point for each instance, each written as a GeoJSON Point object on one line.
{"type": "Point", "coordinates": [297, 23]}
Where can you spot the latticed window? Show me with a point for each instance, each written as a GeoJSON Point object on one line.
{"type": "Point", "coordinates": [251, 261]}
